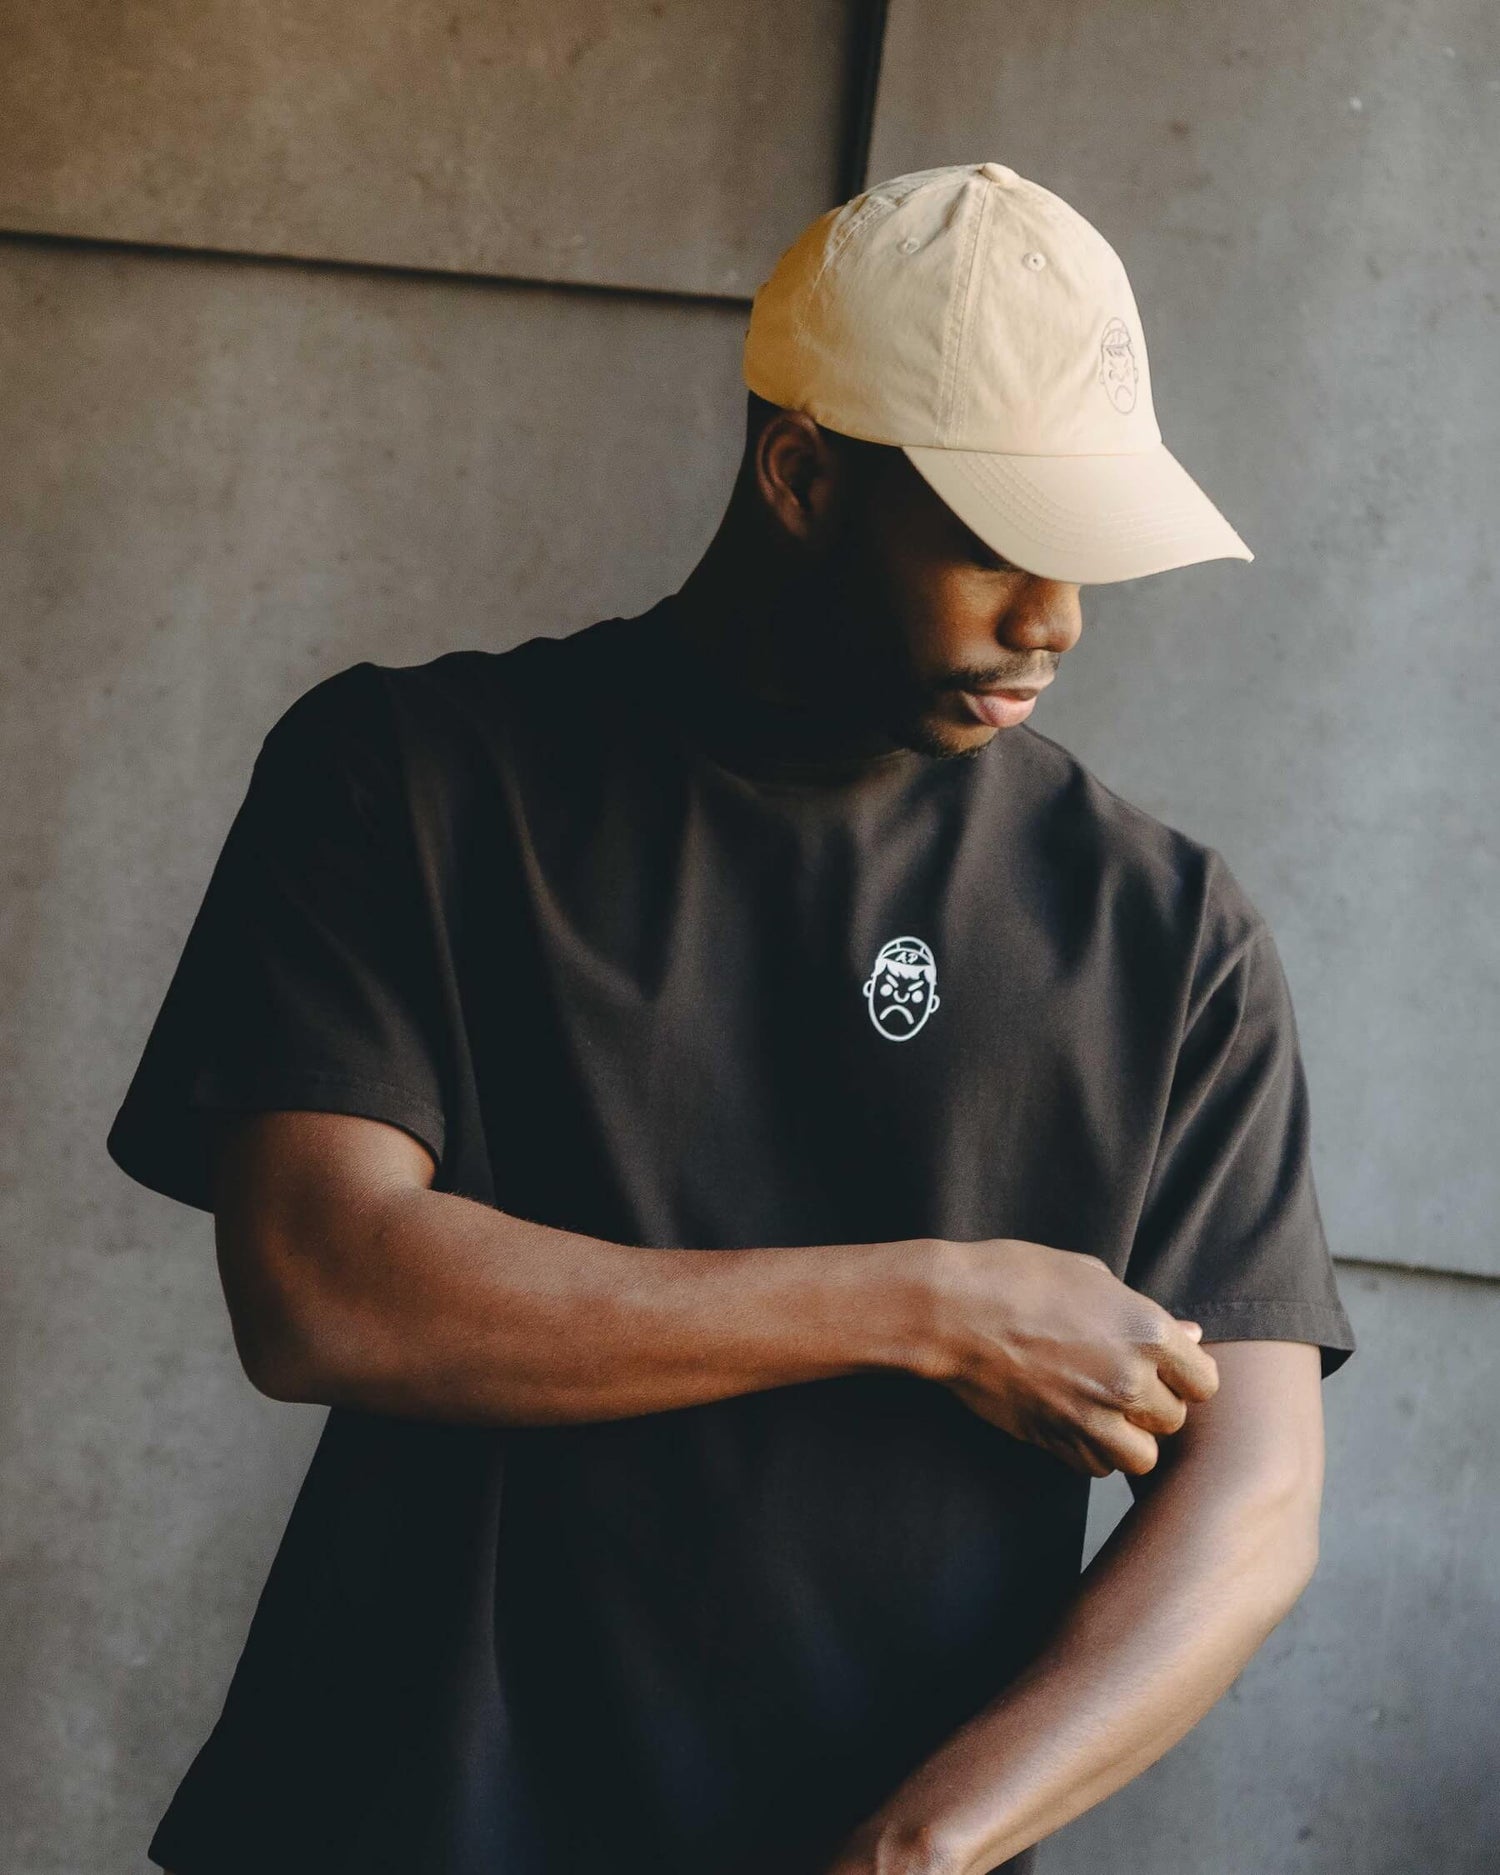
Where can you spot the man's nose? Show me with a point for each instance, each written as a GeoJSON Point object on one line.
{"type": "Point", "coordinates": [1044, 615]}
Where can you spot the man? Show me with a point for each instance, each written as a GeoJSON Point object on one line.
{"type": "Point", "coordinates": [739, 1129]}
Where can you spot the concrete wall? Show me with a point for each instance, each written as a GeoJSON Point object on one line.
{"type": "Point", "coordinates": [221, 479]}
{"type": "Point", "coordinates": [641, 143]}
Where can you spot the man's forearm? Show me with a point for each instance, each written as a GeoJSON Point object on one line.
{"type": "Point", "coordinates": [351, 1282]}
{"type": "Point", "coordinates": [433, 1305]}
{"type": "Point", "coordinates": [1166, 1616]}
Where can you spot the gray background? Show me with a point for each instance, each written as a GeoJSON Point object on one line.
{"type": "Point", "coordinates": [513, 407]}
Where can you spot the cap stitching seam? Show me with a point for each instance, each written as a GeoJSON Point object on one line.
{"type": "Point", "coordinates": [1059, 526]}
{"type": "Point", "coordinates": [957, 309]}
{"type": "Point", "coordinates": [966, 334]}
{"type": "Point", "coordinates": [836, 245]}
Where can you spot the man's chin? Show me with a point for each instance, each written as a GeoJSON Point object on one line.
{"type": "Point", "coordinates": [939, 736]}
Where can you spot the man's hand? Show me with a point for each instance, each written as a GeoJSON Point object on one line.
{"type": "Point", "coordinates": [1053, 1348]}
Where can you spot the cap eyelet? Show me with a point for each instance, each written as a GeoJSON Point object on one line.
{"type": "Point", "coordinates": [909, 245]}
{"type": "Point", "coordinates": [1034, 260]}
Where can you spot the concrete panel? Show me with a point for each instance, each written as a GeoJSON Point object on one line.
{"type": "Point", "coordinates": [1362, 1738]}
{"type": "Point", "coordinates": [222, 480]}
{"type": "Point", "coordinates": [654, 143]}
{"type": "Point", "coordinates": [1305, 203]}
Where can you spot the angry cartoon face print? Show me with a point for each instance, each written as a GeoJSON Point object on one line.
{"type": "Point", "coordinates": [901, 990]}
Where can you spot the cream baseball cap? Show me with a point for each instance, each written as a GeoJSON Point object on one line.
{"type": "Point", "coordinates": [980, 323]}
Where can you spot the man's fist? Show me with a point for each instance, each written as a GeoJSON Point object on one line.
{"type": "Point", "coordinates": [1053, 1348]}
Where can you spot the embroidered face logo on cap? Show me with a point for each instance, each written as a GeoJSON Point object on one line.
{"type": "Point", "coordinates": [1117, 366]}
{"type": "Point", "coordinates": [901, 990]}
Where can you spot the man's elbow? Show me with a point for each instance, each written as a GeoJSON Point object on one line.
{"type": "Point", "coordinates": [281, 1369]}
{"type": "Point", "coordinates": [286, 1325]}
{"type": "Point", "coordinates": [1299, 1564]}
{"type": "Point", "coordinates": [1277, 1527]}
{"type": "Point", "coordinates": [282, 1359]}
{"type": "Point", "coordinates": [1259, 1521]}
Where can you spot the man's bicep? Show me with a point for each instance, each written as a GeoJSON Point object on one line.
{"type": "Point", "coordinates": [291, 1193]}
{"type": "Point", "coordinates": [1261, 1435]}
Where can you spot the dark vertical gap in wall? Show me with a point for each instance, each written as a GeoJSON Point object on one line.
{"type": "Point", "coordinates": [862, 83]}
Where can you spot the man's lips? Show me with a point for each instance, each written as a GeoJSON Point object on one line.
{"type": "Point", "coordinates": [1003, 707]}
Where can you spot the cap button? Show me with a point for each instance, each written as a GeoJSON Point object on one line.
{"type": "Point", "coordinates": [999, 172]}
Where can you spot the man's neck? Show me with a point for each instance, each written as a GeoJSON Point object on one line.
{"type": "Point", "coordinates": [759, 641]}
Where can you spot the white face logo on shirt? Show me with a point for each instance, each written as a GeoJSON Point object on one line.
{"type": "Point", "coordinates": [901, 992]}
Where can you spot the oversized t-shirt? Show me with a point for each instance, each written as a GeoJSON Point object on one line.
{"type": "Point", "coordinates": [632, 959]}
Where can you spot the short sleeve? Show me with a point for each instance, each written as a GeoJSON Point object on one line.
{"type": "Point", "coordinates": [308, 978]}
{"type": "Point", "coordinates": [1230, 1234]}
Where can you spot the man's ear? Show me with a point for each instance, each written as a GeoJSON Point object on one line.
{"type": "Point", "coordinates": [795, 472]}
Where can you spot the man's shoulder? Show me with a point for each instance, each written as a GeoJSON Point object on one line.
{"type": "Point", "coordinates": [443, 702]}
{"type": "Point", "coordinates": [1120, 841]}
{"type": "Point", "coordinates": [473, 674]}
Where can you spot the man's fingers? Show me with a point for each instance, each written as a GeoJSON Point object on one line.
{"type": "Point", "coordinates": [1157, 1408]}
{"type": "Point", "coordinates": [1188, 1369]}
{"type": "Point", "coordinates": [1120, 1445]}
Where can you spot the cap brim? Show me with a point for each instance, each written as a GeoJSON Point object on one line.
{"type": "Point", "coordinates": [1084, 519]}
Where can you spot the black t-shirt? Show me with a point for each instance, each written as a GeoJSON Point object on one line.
{"type": "Point", "coordinates": [633, 962]}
